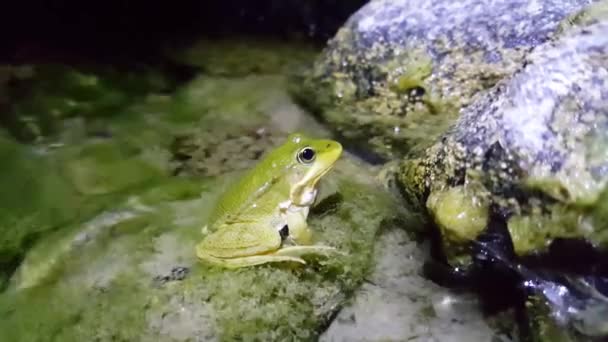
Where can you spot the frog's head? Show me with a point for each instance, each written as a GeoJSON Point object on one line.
{"type": "Point", "coordinates": [310, 159]}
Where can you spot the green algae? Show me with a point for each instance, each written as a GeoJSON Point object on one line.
{"type": "Point", "coordinates": [102, 169]}
{"type": "Point", "coordinates": [220, 98]}
{"type": "Point", "coordinates": [392, 99]}
{"type": "Point", "coordinates": [545, 329]}
{"type": "Point", "coordinates": [87, 277]}
{"type": "Point", "coordinates": [67, 313]}
{"type": "Point", "coordinates": [416, 68]}
{"type": "Point", "coordinates": [599, 220]}
{"type": "Point", "coordinates": [107, 274]}
{"type": "Point", "coordinates": [403, 115]}
{"type": "Point", "coordinates": [460, 213]}
{"type": "Point", "coordinates": [70, 174]}
{"type": "Point", "coordinates": [32, 202]}
{"type": "Point", "coordinates": [77, 181]}
{"type": "Point", "coordinates": [48, 94]}
{"type": "Point", "coordinates": [534, 232]}
{"type": "Point", "coordinates": [270, 302]}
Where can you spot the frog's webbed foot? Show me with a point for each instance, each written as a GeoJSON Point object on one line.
{"type": "Point", "coordinates": [300, 246]}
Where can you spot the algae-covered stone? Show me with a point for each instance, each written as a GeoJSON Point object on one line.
{"type": "Point", "coordinates": [207, 154]}
{"type": "Point", "coordinates": [41, 96]}
{"type": "Point", "coordinates": [47, 187]}
{"type": "Point", "coordinates": [74, 169]}
{"type": "Point", "coordinates": [536, 142]}
{"type": "Point", "coordinates": [398, 72]}
{"type": "Point", "coordinates": [460, 213]}
{"type": "Point", "coordinates": [31, 203]}
{"type": "Point", "coordinates": [534, 149]}
{"type": "Point", "coordinates": [131, 273]}
{"type": "Point", "coordinates": [123, 274]}
{"type": "Point", "coordinates": [205, 149]}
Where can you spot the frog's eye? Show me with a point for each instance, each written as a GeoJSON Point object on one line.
{"type": "Point", "coordinates": [306, 155]}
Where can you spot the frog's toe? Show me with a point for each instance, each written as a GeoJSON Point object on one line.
{"type": "Point", "coordinates": [261, 259]}
{"type": "Point", "coordinates": [252, 260]}
{"type": "Point", "coordinates": [297, 251]}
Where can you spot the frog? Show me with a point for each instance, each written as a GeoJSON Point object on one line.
{"type": "Point", "coordinates": [262, 217]}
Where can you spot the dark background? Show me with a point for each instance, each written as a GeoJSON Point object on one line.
{"type": "Point", "coordinates": [110, 30]}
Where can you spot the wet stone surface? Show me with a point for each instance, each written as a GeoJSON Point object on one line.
{"type": "Point", "coordinates": [397, 73]}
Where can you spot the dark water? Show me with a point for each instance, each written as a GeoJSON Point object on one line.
{"type": "Point", "coordinates": [111, 30]}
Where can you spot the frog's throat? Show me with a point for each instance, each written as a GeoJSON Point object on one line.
{"type": "Point", "coordinates": [303, 193]}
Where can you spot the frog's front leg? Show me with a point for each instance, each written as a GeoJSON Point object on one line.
{"type": "Point", "coordinates": [300, 234]}
{"type": "Point", "coordinates": [298, 231]}
{"type": "Point", "coordinates": [241, 245]}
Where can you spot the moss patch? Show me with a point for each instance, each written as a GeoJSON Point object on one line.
{"type": "Point", "coordinates": [461, 215]}
{"type": "Point", "coordinates": [41, 99]}
{"type": "Point", "coordinates": [128, 270]}
{"type": "Point", "coordinates": [85, 290]}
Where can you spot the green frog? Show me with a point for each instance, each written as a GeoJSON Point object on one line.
{"type": "Point", "coordinates": [262, 217]}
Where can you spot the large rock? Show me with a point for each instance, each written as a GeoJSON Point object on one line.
{"type": "Point", "coordinates": [535, 141]}
{"type": "Point", "coordinates": [127, 270]}
{"type": "Point", "coordinates": [397, 73]}
{"type": "Point", "coordinates": [532, 151]}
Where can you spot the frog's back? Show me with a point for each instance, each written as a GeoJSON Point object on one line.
{"type": "Point", "coordinates": [253, 186]}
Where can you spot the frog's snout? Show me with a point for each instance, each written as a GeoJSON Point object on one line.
{"type": "Point", "coordinates": [333, 148]}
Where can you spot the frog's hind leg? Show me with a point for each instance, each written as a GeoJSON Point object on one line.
{"type": "Point", "coordinates": [246, 261]}
{"type": "Point", "coordinates": [298, 251]}
{"type": "Point", "coordinates": [291, 253]}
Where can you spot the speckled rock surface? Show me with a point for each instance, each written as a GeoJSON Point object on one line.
{"type": "Point", "coordinates": [535, 145]}
{"type": "Point", "coordinates": [397, 73]}
{"type": "Point", "coordinates": [397, 304]}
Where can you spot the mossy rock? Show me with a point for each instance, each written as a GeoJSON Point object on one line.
{"type": "Point", "coordinates": [75, 182]}
{"type": "Point", "coordinates": [532, 152]}
{"type": "Point", "coordinates": [40, 97]}
{"type": "Point", "coordinates": [397, 73]}
{"type": "Point", "coordinates": [132, 272]}
{"type": "Point", "coordinates": [31, 203]}
{"type": "Point", "coordinates": [74, 169]}
{"type": "Point", "coordinates": [534, 145]}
